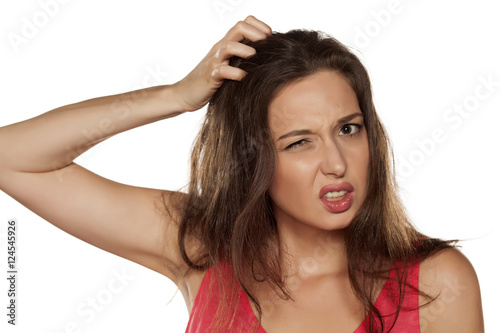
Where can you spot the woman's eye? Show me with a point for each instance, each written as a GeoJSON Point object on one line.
{"type": "Point", "coordinates": [346, 130]}
{"type": "Point", "coordinates": [296, 144]}
{"type": "Point", "coordinates": [350, 129]}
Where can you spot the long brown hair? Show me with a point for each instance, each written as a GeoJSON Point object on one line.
{"type": "Point", "coordinates": [227, 208]}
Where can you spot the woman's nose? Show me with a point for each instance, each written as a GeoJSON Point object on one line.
{"type": "Point", "coordinates": [332, 160]}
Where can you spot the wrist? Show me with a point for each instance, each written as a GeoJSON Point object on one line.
{"type": "Point", "coordinates": [175, 98]}
{"type": "Point", "coordinates": [169, 98]}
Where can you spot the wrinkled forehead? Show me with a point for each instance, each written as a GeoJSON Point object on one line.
{"type": "Point", "coordinates": [311, 102]}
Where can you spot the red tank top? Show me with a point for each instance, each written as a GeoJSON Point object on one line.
{"type": "Point", "coordinates": [407, 320]}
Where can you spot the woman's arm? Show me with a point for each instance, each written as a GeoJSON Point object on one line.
{"type": "Point", "coordinates": [37, 168]}
{"type": "Point", "coordinates": [52, 140]}
{"type": "Point", "coordinates": [450, 276]}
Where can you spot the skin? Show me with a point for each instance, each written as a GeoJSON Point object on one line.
{"type": "Point", "coordinates": [331, 154]}
{"type": "Point", "coordinates": [38, 170]}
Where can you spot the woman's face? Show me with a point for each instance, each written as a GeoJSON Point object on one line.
{"type": "Point", "coordinates": [319, 134]}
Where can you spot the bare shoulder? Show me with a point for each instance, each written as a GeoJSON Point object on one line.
{"type": "Point", "coordinates": [450, 277]}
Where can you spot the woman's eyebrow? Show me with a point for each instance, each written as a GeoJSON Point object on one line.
{"type": "Point", "coordinates": [307, 131]}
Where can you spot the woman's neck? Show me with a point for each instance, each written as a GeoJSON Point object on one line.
{"type": "Point", "coordinates": [310, 252]}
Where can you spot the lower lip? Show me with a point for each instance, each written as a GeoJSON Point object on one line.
{"type": "Point", "coordinates": [339, 206]}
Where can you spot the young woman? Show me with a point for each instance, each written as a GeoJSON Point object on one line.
{"type": "Point", "coordinates": [291, 222]}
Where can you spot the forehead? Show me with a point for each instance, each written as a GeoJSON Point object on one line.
{"type": "Point", "coordinates": [313, 101]}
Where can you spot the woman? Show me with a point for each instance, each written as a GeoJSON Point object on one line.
{"type": "Point", "coordinates": [291, 196]}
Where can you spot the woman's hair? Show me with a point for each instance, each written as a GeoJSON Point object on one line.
{"type": "Point", "coordinates": [227, 208]}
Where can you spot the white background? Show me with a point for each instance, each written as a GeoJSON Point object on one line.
{"type": "Point", "coordinates": [425, 58]}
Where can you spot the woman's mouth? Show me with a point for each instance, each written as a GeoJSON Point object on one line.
{"type": "Point", "coordinates": [337, 198]}
{"type": "Point", "coordinates": [338, 204]}
{"type": "Point", "coordinates": [335, 195]}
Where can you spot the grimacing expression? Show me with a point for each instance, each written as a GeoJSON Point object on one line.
{"type": "Point", "coordinates": [315, 148]}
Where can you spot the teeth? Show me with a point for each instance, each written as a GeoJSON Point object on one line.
{"type": "Point", "coordinates": [335, 194]}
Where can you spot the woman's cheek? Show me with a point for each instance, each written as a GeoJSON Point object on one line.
{"type": "Point", "coordinates": [297, 174]}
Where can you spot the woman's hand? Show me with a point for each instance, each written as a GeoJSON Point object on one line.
{"type": "Point", "coordinates": [196, 89]}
